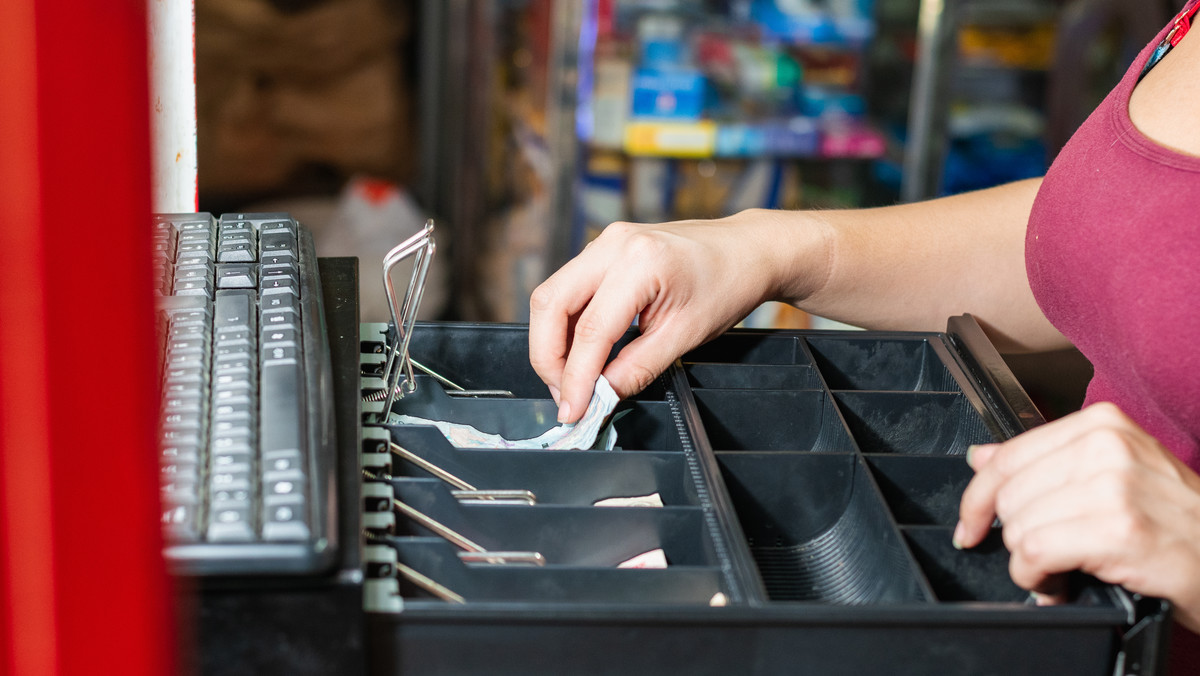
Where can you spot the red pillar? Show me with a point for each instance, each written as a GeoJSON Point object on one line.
{"type": "Point", "coordinates": [82, 585]}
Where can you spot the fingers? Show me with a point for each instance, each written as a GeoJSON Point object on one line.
{"type": "Point", "coordinates": [618, 300]}
{"type": "Point", "coordinates": [553, 308]}
{"type": "Point", "coordinates": [1041, 556]}
{"type": "Point", "coordinates": [1092, 492]}
{"type": "Point", "coordinates": [996, 465]}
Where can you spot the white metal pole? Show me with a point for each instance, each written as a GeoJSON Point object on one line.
{"type": "Point", "coordinates": [172, 27]}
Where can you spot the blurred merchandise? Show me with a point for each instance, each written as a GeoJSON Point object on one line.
{"type": "Point", "coordinates": [761, 79]}
{"type": "Point", "coordinates": [1029, 47]}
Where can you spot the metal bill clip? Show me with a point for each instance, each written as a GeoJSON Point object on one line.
{"type": "Point", "coordinates": [404, 315]}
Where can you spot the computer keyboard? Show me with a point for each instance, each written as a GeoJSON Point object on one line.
{"type": "Point", "coordinates": [246, 443]}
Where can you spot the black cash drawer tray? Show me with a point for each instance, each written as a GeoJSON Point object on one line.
{"type": "Point", "coordinates": [810, 484]}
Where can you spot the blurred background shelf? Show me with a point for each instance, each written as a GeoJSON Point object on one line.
{"type": "Point", "coordinates": [526, 126]}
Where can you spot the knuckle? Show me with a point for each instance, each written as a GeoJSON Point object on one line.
{"type": "Point", "coordinates": [542, 298]}
{"type": "Point", "coordinates": [645, 244]}
{"type": "Point", "coordinates": [1130, 529]}
{"type": "Point", "coordinates": [589, 329]}
{"type": "Point", "coordinates": [1115, 488]}
{"type": "Point", "coordinates": [642, 375]}
{"type": "Point", "coordinates": [1030, 549]}
{"type": "Point", "coordinates": [538, 361]}
{"type": "Point", "coordinates": [1004, 462]}
{"type": "Point", "coordinates": [1107, 413]}
{"type": "Point", "coordinates": [617, 229]}
{"type": "Point", "coordinates": [1112, 445]}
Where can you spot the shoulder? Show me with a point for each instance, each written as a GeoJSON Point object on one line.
{"type": "Point", "coordinates": [1163, 105]}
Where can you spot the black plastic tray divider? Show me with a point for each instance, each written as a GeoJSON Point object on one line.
{"type": "Point", "coordinates": [493, 583]}
{"type": "Point", "coordinates": [921, 491]}
{"type": "Point", "coordinates": [745, 586]}
{"type": "Point", "coordinates": [564, 535]}
{"type": "Point", "coordinates": [977, 574]}
{"type": "Point", "coordinates": [489, 357]}
{"type": "Point", "coordinates": [912, 423]}
{"type": "Point", "coordinates": [562, 478]}
{"type": "Point", "coordinates": [703, 375]}
{"type": "Point", "coordinates": [882, 361]}
{"type": "Point", "coordinates": [819, 530]}
{"type": "Point", "coordinates": [772, 420]}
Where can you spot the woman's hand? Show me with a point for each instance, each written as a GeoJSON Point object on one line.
{"type": "Point", "coordinates": [1093, 492]}
{"type": "Point", "coordinates": [685, 283]}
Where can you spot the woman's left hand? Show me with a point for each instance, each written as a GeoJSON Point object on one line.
{"type": "Point", "coordinates": [1092, 492]}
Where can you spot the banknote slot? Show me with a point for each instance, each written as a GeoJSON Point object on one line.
{"type": "Point", "coordinates": [752, 376]}
{"type": "Point", "coordinates": [818, 529]}
{"type": "Point", "coordinates": [771, 420]}
{"type": "Point", "coordinates": [977, 574]}
{"type": "Point", "coordinates": [510, 418]}
{"type": "Point", "coordinates": [644, 425]}
{"type": "Point", "coordinates": [750, 347]}
{"type": "Point", "coordinates": [491, 357]}
{"type": "Point", "coordinates": [921, 491]}
{"type": "Point", "coordinates": [564, 535]}
{"type": "Point", "coordinates": [924, 423]}
{"type": "Point", "coordinates": [566, 478]}
{"type": "Point", "coordinates": [690, 585]}
{"type": "Point", "coordinates": [881, 364]}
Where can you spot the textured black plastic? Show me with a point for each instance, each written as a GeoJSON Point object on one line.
{"type": "Point", "coordinates": [809, 478]}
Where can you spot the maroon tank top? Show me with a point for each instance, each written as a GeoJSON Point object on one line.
{"type": "Point", "coordinates": [1113, 256]}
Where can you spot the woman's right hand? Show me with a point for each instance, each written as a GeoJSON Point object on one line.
{"type": "Point", "coordinates": [685, 283]}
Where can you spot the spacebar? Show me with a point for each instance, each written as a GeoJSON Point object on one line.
{"type": "Point", "coordinates": [281, 406]}
{"type": "Point", "coordinates": [284, 443]}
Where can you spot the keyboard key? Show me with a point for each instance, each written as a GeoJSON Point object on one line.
{"type": "Point", "coordinates": [237, 253]}
{"type": "Point", "coordinates": [236, 276]}
{"type": "Point", "coordinates": [179, 523]}
{"type": "Point", "coordinates": [230, 524]}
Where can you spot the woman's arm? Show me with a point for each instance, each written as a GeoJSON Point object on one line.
{"type": "Point", "coordinates": [909, 267]}
{"type": "Point", "coordinates": [900, 267]}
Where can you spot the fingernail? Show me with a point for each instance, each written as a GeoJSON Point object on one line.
{"type": "Point", "coordinates": [554, 393]}
{"type": "Point", "coordinates": [971, 454]}
{"type": "Point", "coordinates": [958, 535]}
{"type": "Point", "coordinates": [564, 412]}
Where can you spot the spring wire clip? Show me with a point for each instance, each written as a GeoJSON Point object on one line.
{"type": "Point", "coordinates": [404, 315]}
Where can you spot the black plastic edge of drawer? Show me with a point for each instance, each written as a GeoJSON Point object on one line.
{"type": "Point", "coordinates": [981, 359]}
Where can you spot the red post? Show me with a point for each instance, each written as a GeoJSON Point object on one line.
{"type": "Point", "coordinates": [83, 589]}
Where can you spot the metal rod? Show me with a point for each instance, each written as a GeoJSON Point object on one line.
{"type": "Point", "coordinates": [496, 497]}
{"type": "Point", "coordinates": [430, 467]}
{"type": "Point", "coordinates": [442, 531]}
{"type": "Point", "coordinates": [429, 584]}
{"type": "Point", "coordinates": [529, 558]}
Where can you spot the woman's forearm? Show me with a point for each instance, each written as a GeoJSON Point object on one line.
{"type": "Point", "coordinates": [910, 266]}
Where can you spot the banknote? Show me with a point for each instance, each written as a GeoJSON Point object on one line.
{"type": "Point", "coordinates": [655, 558]}
{"type": "Point", "coordinates": [584, 434]}
{"type": "Point", "coordinates": [652, 500]}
